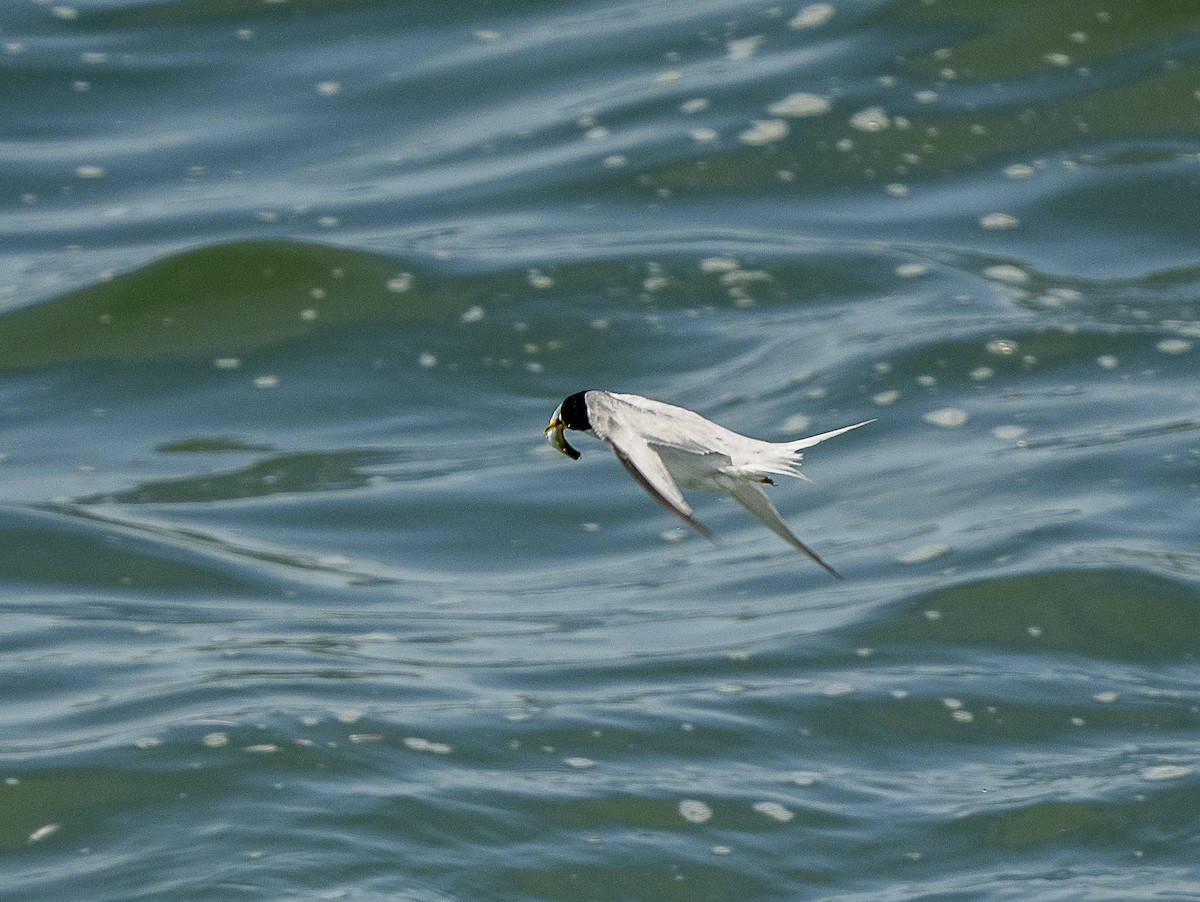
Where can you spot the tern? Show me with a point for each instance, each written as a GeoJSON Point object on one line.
{"type": "Point", "coordinates": [665, 447]}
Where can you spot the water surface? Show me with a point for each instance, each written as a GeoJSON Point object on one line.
{"type": "Point", "coordinates": [296, 603]}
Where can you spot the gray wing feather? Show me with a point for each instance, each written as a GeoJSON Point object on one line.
{"type": "Point", "coordinates": [751, 496]}
{"type": "Point", "coordinates": [641, 460]}
{"type": "Point", "coordinates": [682, 511]}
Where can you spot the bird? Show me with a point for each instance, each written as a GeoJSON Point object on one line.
{"type": "Point", "coordinates": [665, 447]}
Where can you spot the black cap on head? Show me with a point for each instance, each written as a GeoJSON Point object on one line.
{"type": "Point", "coordinates": [573, 412]}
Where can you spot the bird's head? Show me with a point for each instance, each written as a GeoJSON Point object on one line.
{"type": "Point", "coordinates": [570, 414]}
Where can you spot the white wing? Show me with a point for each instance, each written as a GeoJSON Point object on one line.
{"type": "Point", "coordinates": [668, 425]}
{"type": "Point", "coordinates": [751, 496]}
{"type": "Point", "coordinates": [636, 455]}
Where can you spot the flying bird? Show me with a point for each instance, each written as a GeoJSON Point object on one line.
{"type": "Point", "coordinates": [665, 447]}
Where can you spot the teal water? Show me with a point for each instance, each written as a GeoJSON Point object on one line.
{"type": "Point", "coordinates": [296, 603]}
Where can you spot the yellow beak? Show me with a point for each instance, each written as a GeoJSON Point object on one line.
{"type": "Point", "coordinates": [554, 435]}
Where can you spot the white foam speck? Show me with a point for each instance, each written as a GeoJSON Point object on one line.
{"type": "Point", "coordinates": [1108, 361]}
{"type": "Point", "coordinates": [718, 264]}
{"type": "Point", "coordinates": [657, 280]}
{"type": "Point", "coordinates": [539, 279]}
{"type": "Point", "coordinates": [896, 189]}
{"type": "Point", "coordinates": [911, 270]}
{"type": "Point", "coordinates": [799, 105]}
{"type": "Point", "coordinates": [1166, 772]}
{"type": "Point", "coordinates": [264, 748]}
{"type": "Point", "coordinates": [704, 135]}
{"type": "Point", "coordinates": [1061, 60]}
{"type": "Point", "coordinates": [884, 398]}
{"type": "Point", "coordinates": [400, 283]}
{"type": "Point", "coordinates": [1019, 171]}
{"type": "Point", "coordinates": [44, 832]}
{"type": "Point", "coordinates": [674, 536]}
{"type": "Point", "coordinates": [812, 15]}
{"type": "Point", "coordinates": [1006, 272]}
{"type": "Point", "coordinates": [695, 105]}
{"type": "Point", "coordinates": [837, 690]}
{"type": "Point", "coordinates": [872, 119]}
{"type": "Point", "coordinates": [1174, 346]}
{"type": "Point", "coordinates": [417, 744]}
{"type": "Point", "coordinates": [90, 172]}
{"type": "Point", "coordinates": [215, 740]}
{"type": "Point", "coordinates": [1105, 698]}
{"type": "Point", "coordinates": [694, 811]}
{"type": "Point", "coordinates": [764, 131]}
{"type": "Point", "coordinates": [743, 48]}
{"type": "Point", "coordinates": [616, 161]}
{"type": "Point", "coordinates": [266, 382]}
{"type": "Point", "coordinates": [1002, 347]}
{"type": "Point", "coordinates": [795, 424]}
{"type": "Point", "coordinates": [1008, 433]}
{"type": "Point", "coordinates": [744, 277]}
{"type": "Point", "coordinates": [996, 221]}
{"type": "Point", "coordinates": [579, 763]}
{"type": "Point", "coordinates": [946, 417]}
{"type": "Point", "coordinates": [721, 850]}
{"type": "Point", "coordinates": [805, 777]}
{"type": "Point", "coordinates": [427, 360]}
{"type": "Point", "coordinates": [774, 810]}
{"type": "Point", "coordinates": [227, 363]}
{"type": "Point", "coordinates": [328, 88]}
{"type": "Point", "coordinates": [147, 742]}
{"type": "Point", "coordinates": [980, 373]}
{"type": "Point", "coordinates": [922, 555]}
{"type": "Point", "coordinates": [963, 716]}
{"type": "Point", "coordinates": [473, 314]}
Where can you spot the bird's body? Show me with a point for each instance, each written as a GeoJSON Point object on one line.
{"type": "Point", "coordinates": [665, 447]}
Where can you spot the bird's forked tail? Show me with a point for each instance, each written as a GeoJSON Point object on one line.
{"type": "Point", "coordinates": [783, 458]}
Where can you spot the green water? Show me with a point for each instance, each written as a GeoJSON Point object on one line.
{"type": "Point", "coordinates": [295, 601]}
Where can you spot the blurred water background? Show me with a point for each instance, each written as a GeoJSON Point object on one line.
{"type": "Point", "coordinates": [295, 603]}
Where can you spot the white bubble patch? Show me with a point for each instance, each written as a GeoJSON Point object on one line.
{"type": "Point", "coordinates": [694, 811]}
{"type": "Point", "coordinates": [946, 417]}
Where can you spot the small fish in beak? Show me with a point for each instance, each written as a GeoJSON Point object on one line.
{"type": "Point", "coordinates": [554, 435]}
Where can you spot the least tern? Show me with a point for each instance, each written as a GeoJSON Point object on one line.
{"type": "Point", "coordinates": [664, 447]}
